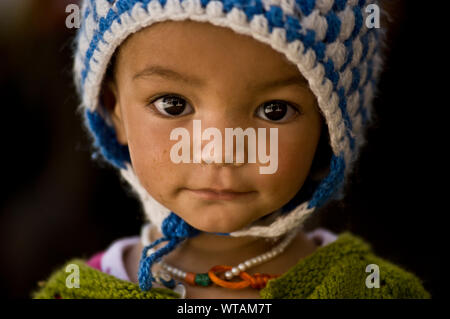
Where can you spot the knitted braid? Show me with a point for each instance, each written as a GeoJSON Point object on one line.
{"type": "Point", "coordinates": [174, 230]}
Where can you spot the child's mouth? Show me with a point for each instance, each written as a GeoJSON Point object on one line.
{"type": "Point", "coordinates": [212, 194]}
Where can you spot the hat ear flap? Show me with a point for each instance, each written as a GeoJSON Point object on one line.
{"type": "Point", "coordinates": [105, 140]}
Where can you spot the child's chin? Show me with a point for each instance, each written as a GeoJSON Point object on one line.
{"type": "Point", "coordinates": [219, 219]}
{"type": "Point", "coordinates": [219, 227]}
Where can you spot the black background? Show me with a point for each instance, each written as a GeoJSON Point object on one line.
{"type": "Point", "coordinates": [57, 203]}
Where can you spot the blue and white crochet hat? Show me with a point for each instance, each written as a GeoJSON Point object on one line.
{"type": "Point", "coordinates": [328, 40]}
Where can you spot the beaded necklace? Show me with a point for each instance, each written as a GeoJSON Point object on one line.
{"type": "Point", "coordinates": [165, 275]}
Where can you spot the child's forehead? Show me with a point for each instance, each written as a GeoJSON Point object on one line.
{"type": "Point", "coordinates": [202, 44]}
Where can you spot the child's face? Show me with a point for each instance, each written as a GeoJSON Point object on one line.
{"type": "Point", "coordinates": [223, 81]}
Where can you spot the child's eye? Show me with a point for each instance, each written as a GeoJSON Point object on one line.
{"type": "Point", "coordinates": [172, 105]}
{"type": "Point", "coordinates": [276, 111]}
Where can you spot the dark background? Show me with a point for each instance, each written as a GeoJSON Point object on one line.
{"type": "Point", "coordinates": [57, 203]}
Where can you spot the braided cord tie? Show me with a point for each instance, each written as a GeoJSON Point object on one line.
{"type": "Point", "coordinates": [256, 281]}
{"type": "Point", "coordinates": [175, 230]}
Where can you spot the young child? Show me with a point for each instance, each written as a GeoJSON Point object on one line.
{"type": "Point", "coordinates": [163, 83]}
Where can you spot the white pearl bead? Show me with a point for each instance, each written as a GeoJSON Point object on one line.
{"type": "Point", "coordinates": [228, 275]}
{"type": "Point", "coordinates": [235, 271]}
{"type": "Point", "coordinates": [241, 267]}
{"type": "Point", "coordinates": [165, 276]}
{"type": "Point", "coordinates": [169, 268]}
{"type": "Point", "coordinates": [258, 259]}
{"type": "Point", "coordinates": [248, 263]}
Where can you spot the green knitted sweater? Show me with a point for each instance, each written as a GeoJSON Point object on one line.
{"type": "Point", "coordinates": [337, 270]}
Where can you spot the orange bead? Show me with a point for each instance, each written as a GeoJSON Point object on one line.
{"type": "Point", "coordinates": [190, 278]}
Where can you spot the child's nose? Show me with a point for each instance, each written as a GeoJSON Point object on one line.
{"type": "Point", "coordinates": [233, 148]}
{"type": "Point", "coordinates": [237, 158]}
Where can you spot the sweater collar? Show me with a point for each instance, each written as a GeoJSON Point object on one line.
{"type": "Point", "coordinates": [297, 282]}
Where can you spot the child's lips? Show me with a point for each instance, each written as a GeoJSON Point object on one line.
{"type": "Point", "coordinates": [213, 194]}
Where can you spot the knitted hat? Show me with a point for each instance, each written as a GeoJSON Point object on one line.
{"type": "Point", "coordinates": [328, 40]}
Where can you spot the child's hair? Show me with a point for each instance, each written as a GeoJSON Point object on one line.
{"type": "Point", "coordinates": [330, 42]}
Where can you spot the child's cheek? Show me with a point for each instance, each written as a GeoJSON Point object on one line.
{"type": "Point", "coordinates": [149, 143]}
{"type": "Point", "coordinates": [295, 155]}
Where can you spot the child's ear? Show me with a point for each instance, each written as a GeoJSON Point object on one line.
{"type": "Point", "coordinates": [111, 103]}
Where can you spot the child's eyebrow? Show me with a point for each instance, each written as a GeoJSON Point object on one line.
{"type": "Point", "coordinates": [169, 74]}
{"type": "Point", "coordinates": [292, 80]}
